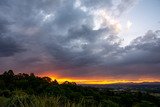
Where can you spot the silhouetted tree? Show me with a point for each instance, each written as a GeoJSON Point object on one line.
{"type": "Point", "coordinates": [47, 79]}
{"type": "Point", "coordinates": [54, 82]}
{"type": "Point", "coordinates": [10, 72]}
{"type": "Point", "coordinates": [32, 75]}
{"type": "Point", "coordinates": [68, 83]}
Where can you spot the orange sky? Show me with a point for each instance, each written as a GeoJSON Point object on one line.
{"type": "Point", "coordinates": [98, 80]}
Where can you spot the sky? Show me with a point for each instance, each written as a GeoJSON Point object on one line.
{"type": "Point", "coordinates": [86, 41]}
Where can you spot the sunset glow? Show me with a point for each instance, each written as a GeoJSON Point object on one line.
{"type": "Point", "coordinates": [98, 80]}
{"type": "Point", "coordinates": [82, 81]}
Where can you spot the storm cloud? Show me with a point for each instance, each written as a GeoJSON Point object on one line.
{"type": "Point", "coordinates": [75, 36]}
{"type": "Point", "coordinates": [8, 46]}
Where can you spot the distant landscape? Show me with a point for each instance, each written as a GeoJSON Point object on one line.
{"type": "Point", "coordinates": [28, 90]}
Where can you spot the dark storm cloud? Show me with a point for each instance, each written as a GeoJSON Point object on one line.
{"type": "Point", "coordinates": [144, 49]}
{"type": "Point", "coordinates": [83, 47]}
{"type": "Point", "coordinates": [65, 36]}
{"type": "Point", "coordinates": [3, 26]}
{"type": "Point", "coordinates": [68, 15]}
{"type": "Point", "coordinates": [8, 45]}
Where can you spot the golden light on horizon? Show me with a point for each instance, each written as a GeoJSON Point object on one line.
{"type": "Point", "coordinates": [83, 81]}
{"type": "Point", "coordinates": [97, 80]}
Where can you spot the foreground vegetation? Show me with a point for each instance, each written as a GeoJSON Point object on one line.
{"type": "Point", "coordinates": [23, 90]}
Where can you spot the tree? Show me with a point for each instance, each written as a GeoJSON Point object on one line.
{"type": "Point", "coordinates": [47, 79]}
{"type": "Point", "coordinates": [10, 72]}
{"type": "Point", "coordinates": [32, 75]}
{"type": "Point", "coordinates": [54, 82]}
{"type": "Point", "coordinates": [68, 83]}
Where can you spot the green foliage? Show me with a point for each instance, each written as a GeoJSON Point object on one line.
{"type": "Point", "coordinates": [144, 104]}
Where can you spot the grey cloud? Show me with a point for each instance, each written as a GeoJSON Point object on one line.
{"type": "Point", "coordinates": [8, 47]}
{"type": "Point", "coordinates": [149, 42]}
{"type": "Point", "coordinates": [86, 33]}
{"type": "Point", "coordinates": [59, 36]}
{"type": "Point", "coordinates": [83, 47]}
{"type": "Point", "coordinates": [95, 4]}
{"type": "Point", "coordinates": [144, 49]}
{"type": "Point", "coordinates": [68, 15]}
{"type": "Point", "coordinates": [124, 6]}
{"type": "Point", "coordinates": [3, 26]}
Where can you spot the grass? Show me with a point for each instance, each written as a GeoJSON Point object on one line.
{"type": "Point", "coordinates": [19, 99]}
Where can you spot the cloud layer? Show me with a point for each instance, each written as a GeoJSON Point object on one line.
{"type": "Point", "coordinates": [77, 37]}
